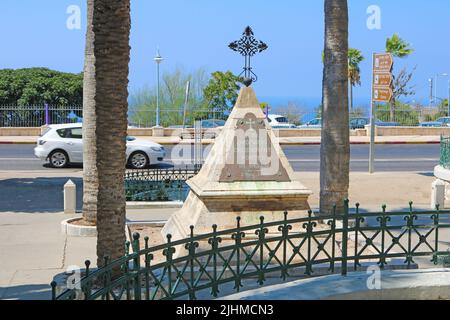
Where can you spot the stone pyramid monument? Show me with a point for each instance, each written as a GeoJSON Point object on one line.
{"type": "Point", "coordinates": [246, 174]}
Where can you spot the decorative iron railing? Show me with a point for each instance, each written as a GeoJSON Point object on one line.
{"type": "Point", "coordinates": [445, 152]}
{"type": "Point", "coordinates": [158, 184]}
{"type": "Point", "coordinates": [204, 264]}
{"type": "Point", "coordinates": [37, 116]}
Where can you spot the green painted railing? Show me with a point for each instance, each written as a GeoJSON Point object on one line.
{"type": "Point", "coordinates": [445, 152]}
{"type": "Point", "coordinates": [158, 184]}
{"type": "Point", "coordinates": [205, 263]}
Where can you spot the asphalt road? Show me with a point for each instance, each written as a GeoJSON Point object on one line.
{"type": "Point", "coordinates": [389, 158]}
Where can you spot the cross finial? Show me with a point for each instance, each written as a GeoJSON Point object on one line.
{"type": "Point", "coordinates": [248, 46]}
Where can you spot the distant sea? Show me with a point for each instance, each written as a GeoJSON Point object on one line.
{"type": "Point", "coordinates": [307, 105]}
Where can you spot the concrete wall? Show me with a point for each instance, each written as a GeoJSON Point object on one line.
{"type": "Point", "coordinates": [21, 132]}
{"type": "Point", "coordinates": [282, 133]}
{"type": "Point", "coordinates": [411, 131]}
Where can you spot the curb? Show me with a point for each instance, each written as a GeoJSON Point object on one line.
{"type": "Point", "coordinates": [17, 142]}
{"type": "Point", "coordinates": [154, 205]}
{"type": "Point", "coordinates": [72, 230]}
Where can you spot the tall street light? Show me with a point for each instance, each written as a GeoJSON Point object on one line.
{"type": "Point", "coordinates": [158, 59]}
{"type": "Point", "coordinates": [436, 86]}
{"type": "Point", "coordinates": [448, 98]}
{"type": "Point", "coordinates": [431, 92]}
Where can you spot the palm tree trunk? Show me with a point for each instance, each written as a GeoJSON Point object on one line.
{"type": "Point", "coordinates": [105, 123]}
{"type": "Point", "coordinates": [335, 148]}
{"type": "Point", "coordinates": [392, 110]}
{"type": "Point", "coordinates": [351, 95]}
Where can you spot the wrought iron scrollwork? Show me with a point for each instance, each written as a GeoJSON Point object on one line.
{"type": "Point", "coordinates": [248, 46]}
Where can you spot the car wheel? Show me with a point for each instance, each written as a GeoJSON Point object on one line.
{"type": "Point", "coordinates": [58, 159]}
{"type": "Point", "coordinates": [138, 160]}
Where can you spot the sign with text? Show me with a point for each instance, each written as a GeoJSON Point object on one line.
{"type": "Point", "coordinates": [382, 94]}
{"type": "Point", "coordinates": [382, 79]}
{"type": "Point", "coordinates": [383, 62]}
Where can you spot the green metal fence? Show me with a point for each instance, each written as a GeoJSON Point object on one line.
{"type": "Point", "coordinates": [445, 152]}
{"type": "Point", "coordinates": [158, 184]}
{"type": "Point", "coordinates": [205, 263]}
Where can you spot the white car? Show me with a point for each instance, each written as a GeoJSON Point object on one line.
{"type": "Point", "coordinates": [63, 144]}
{"type": "Point", "coordinates": [315, 123]}
{"type": "Point", "coordinates": [279, 122]}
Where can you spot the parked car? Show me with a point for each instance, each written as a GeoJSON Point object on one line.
{"type": "Point", "coordinates": [380, 123]}
{"type": "Point", "coordinates": [441, 122]}
{"type": "Point", "coordinates": [277, 121]}
{"type": "Point", "coordinates": [359, 123]}
{"type": "Point", "coordinates": [212, 123]}
{"type": "Point", "coordinates": [63, 144]}
{"type": "Point", "coordinates": [315, 123]}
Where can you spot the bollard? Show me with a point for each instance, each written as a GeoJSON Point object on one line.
{"type": "Point", "coordinates": [438, 194]}
{"type": "Point", "coordinates": [70, 197]}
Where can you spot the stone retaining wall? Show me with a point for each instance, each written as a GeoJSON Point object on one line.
{"type": "Point", "coordinates": [281, 133]}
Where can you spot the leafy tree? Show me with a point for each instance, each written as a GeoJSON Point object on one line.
{"type": "Point", "coordinates": [401, 49]}
{"type": "Point", "coordinates": [402, 86]}
{"type": "Point", "coordinates": [36, 86]}
{"type": "Point", "coordinates": [398, 47]}
{"type": "Point", "coordinates": [355, 57]}
{"type": "Point", "coordinates": [222, 91]}
{"type": "Point", "coordinates": [172, 98]}
{"type": "Point", "coordinates": [294, 112]}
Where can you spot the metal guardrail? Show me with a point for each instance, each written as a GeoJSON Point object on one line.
{"type": "Point", "coordinates": [158, 184]}
{"type": "Point", "coordinates": [445, 152]}
{"type": "Point", "coordinates": [37, 116]}
{"type": "Point", "coordinates": [208, 262]}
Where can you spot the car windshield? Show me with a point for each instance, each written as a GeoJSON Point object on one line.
{"type": "Point", "coordinates": [282, 120]}
{"type": "Point", "coordinates": [131, 138]}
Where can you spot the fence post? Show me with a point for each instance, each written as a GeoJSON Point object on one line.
{"type": "Point", "coordinates": [47, 115]}
{"type": "Point", "coordinates": [344, 238]}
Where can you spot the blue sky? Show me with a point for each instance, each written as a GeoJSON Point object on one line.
{"type": "Point", "coordinates": [195, 33]}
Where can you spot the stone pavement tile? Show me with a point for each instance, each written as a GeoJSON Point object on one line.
{"type": "Point", "coordinates": [31, 285]}
{"type": "Point", "coordinates": [31, 240]}
{"type": "Point", "coordinates": [6, 276]}
{"type": "Point", "coordinates": [147, 215]}
{"type": "Point", "coordinates": [395, 189]}
{"type": "Point", "coordinates": [78, 250]}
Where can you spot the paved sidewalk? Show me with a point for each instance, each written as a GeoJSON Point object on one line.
{"type": "Point", "coordinates": [283, 141]}
{"type": "Point", "coordinates": [33, 250]}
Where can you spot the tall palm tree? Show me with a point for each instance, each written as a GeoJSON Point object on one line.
{"type": "Point", "coordinates": [335, 148]}
{"type": "Point", "coordinates": [105, 107]}
{"type": "Point", "coordinates": [399, 48]}
{"type": "Point", "coordinates": [355, 57]}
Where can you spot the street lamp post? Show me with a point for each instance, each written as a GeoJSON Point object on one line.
{"type": "Point", "coordinates": [436, 86]}
{"type": "Point", "coordinates": [158, 59]}
{"type": "Point", "coordinates": [431, 92]}
{"type": "Point", "coordinates": [448, 98]}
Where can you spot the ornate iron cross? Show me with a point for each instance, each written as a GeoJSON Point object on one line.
{"type": "Point", "coordinates": [248, 46]}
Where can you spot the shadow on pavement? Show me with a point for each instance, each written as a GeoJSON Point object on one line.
{"type": "Point", "coordinates": [26, 292]}
{"type": "Point", "coordinates": [30, 195]}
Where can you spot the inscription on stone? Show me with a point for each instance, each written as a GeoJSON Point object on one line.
{"type": "Point", "coordinates": [251, 155]}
